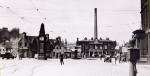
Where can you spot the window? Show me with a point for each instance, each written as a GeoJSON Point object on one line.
{"type": "Point", "coordinates": [96, 47]}
{"type": "Point", "coordinates": [100, 47]}
{"type": "Point", "coordinates": [105, 46]}
{"type": "Point", "coordinates": [91, 47]}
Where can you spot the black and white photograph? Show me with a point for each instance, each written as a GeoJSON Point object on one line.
{"type": "Point", "coordinates": [74, 37]}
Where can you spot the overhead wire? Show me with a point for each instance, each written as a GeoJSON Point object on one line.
{"type": "Point", "coordinates": [14, 13]}
{"type": "Point", "coordinates": [20, 17]}
{"type": "Point", "coordinates": [41, 15]}
{"type": "Point", "coordinates": [38, 10]}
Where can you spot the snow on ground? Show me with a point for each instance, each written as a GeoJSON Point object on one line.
{"type": "Point", "coordinates": [52, 67]}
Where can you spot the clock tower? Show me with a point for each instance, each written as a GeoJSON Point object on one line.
{"type": "Point", "coordinates": [42, 38]}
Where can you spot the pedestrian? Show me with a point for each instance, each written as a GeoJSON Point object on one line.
{"type": "Point", "coordinates": [115, 59]}
{"type": "Point", "coordinates": [120, 58]}
{"type": "Point", "coordinates": [20, 55]}
{"type": "Point", "coordinates": [101, 57]}
{"type": "Point", "coordinates": [61, 59]}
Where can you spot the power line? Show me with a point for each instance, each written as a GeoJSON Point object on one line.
{"type": "Point", "coordinates": [15, 14]}
{"type": "Point", "coordinates": [38, 10]}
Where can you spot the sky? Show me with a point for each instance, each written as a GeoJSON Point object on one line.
{"type": "Point", "coordinates": [117, 19]}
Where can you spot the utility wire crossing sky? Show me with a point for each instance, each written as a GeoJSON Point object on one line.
{"type": "Point", "coordinates": [73, 18]}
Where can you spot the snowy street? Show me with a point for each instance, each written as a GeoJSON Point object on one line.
{"type": "Point", "coordinates": [52, 67]}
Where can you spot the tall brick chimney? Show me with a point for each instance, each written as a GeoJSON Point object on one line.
{"type": "Point", "coordinates": [95, 24]}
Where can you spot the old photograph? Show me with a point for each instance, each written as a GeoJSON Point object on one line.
{"type": "Point", "coordinates": [74, 37]}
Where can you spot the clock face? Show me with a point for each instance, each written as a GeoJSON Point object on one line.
{"type": "Point", "coordinates": [42, 38]}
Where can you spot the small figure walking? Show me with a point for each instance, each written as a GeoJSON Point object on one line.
{"type": "Point", "coordinates": [120, 58]}
{"type": "Point", "coordinates": [115, 59]}
{"type": "Point", "coordinates": [101, 56]}
{"type": "Point", "coordinates": [61, 59]}
{"type": "Point", "coordinates": [20, 56]}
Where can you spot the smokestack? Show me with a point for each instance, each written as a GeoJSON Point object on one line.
{"type": "Point", "coordinates": [95, 24]}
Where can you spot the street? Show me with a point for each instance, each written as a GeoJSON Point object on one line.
{"type": "Point", "coordinates": [52, 67]}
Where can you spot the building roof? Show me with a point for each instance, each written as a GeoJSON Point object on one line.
{"type": "Point", "coordinates": [92, 41]}
{"type": "Point", "coordinates": [42, 30]}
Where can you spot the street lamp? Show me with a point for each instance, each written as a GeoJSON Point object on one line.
{"type": "Point", "coordinates": [134, 53]}
{"type": "Point", "coordinates": [138, 35]}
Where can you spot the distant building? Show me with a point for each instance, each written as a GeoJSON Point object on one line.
{"type": "Point", "coordinates": [41, 45]}
{"type": "Point", "coordinates": [59, 48]}
{"type": "Point", "coordinates": [102, 47]}
{"type": "Point", "coordinates": [96, 47]}
{"type": "Point", "coordinates": [25, 45]}
{"type": "Point", "coordinates": [2, 50]}
{"type": "Point", "coordinates": [14, 42]}
{"type": "Point", "coordinates": [67, 50]}
{"type": "Point", "coordinates": [73, 51]}
{"type": "Point", "coordinates": [9, 40]}
{"type": "Point", "coordinates": [124, 51]}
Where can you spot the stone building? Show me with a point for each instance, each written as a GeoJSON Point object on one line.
{"type": "Point", "coordinates": [59, 48]}
{"type": "Point", "coordinates": [102, 47]}
{"type": "Point", "coordinates": [145, 21]}
{"type": "Point", "coordinates": [41, 45]}
{"type": "Point", "coordinates": [96, 47]}
{"type": "Point", "coordinates": [143, 43]}
{"type": "Point", "coordinates": [24, 44]}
